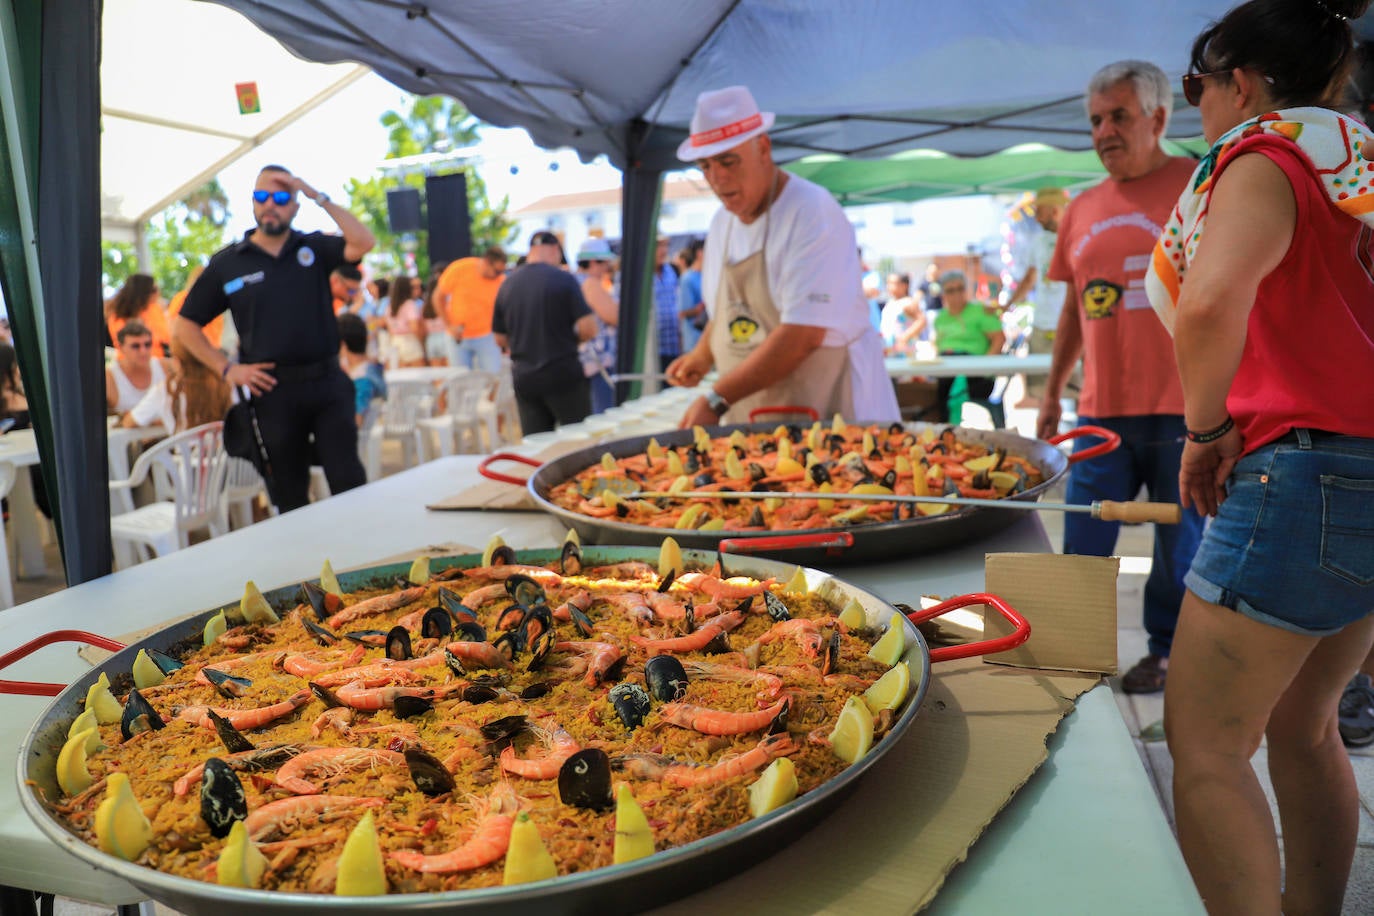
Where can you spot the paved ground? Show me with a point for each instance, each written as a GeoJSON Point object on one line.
{"type": "Point", "coordinates": [1140, 713]}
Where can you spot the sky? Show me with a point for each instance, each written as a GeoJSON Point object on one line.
{"type": "Point", "coordinates": [344, 139]}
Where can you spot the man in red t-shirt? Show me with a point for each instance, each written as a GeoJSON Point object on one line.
{"type": "Point", "coordinates": [1130, 378]}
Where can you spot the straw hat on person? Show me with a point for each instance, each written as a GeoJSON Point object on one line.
{"type": "Point", "coordinates": [724, 118]}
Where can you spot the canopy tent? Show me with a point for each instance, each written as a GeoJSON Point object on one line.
{"type": "Point", "coordinates": [866, 78]}
{"type": "Point", "coordinates": [923, 174]}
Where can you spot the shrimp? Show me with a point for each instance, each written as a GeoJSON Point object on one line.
{"type": "Point", "coordinates": [480, 654]}
{"type": "Point", "coordinates": [561, 746]}
{"type": "Point", "coordinates": [229, 664]}
{"type": "Point", "coordinates": [695, 641]}
{"type": "Point", "coordinates": [600, 656]}
{"type": "Point", "coordinates": [358, 696]}
{"type": "Point", "coordinates": [340, 718]}
{"type": "Point", "coordinates": [545, 577]}
{"type": "Point", "coordinates": [629, 569]}
{"type": "Point", "coordinates": [474, 599]}
{"type": "Point", "coordinates": [580, 600]}
{"type": "Point", "coordinates": [803, 630]}
{"type": "Point", "coordinates": [770, 685]}
{"type": "Point", "coordinates": [382, 603]}
{"type": "Point", "coordinates": [487, 844]}
{"type": "Point", "coordinates": [734, 587]}
{"type": "Point", "coordinates": [287, 814]}
{"type": "Point", "coordinates": [767, 750]}
{"type": "Point", "coordinates": [634, 604]}
{"type": "Point", "coordinates": [302, 665]}
{"type": "Point", "coordinates": [719, 722]}
{"type": "Point", "coordinates": [261, 758]}
{"type": "Point", "coordinates": [330, 761]}
{"type": "Point", "coordinates": [244, 719]}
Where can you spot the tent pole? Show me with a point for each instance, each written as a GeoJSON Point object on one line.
{"type": "Point", "coordinates": [641, 187]}
{"type": "Point", "coordinates": [142, 252]}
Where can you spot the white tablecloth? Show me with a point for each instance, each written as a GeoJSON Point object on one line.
{"type": "Point", "coordinates": [951, 366]}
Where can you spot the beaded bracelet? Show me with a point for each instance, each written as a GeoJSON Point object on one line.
{"type": "Point", "coordinates": [1212, 435]}
{"type": "Point", "coordinates": [224, 373]}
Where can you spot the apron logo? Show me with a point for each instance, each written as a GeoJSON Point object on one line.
{"type": "Point", "coordinates": [743, 330]}
{"type": "Point", "coordinates": [305, 256]}
{"type": "Point", "coordinates": [1100, 298]}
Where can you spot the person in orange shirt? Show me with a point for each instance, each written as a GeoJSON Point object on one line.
{"type": "Point", "coordinates": [215, 329]}
{"type": "Point", "coordinates": [138, 299]}
{"type": "Point", "coordinates": [466, 297]}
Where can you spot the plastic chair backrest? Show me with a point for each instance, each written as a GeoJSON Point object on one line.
{"type": "Point", "coordinates": [404, 403]}
{"type": "Point", "coordinates": [466, 391]}
{"type": "Point", "coordinates": [194, 467]}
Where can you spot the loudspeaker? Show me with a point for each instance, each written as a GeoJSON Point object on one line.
{"type": "Point", "coordinates": [450, 227]}
{"type": "Point", "coordinates": [403, 210]}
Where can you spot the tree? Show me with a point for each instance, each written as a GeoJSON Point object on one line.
{"type": "Point", "coordinates": [179, 238]}
{"type": "Point", "coordinates": [430, 124]}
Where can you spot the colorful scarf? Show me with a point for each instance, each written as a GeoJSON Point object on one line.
{"type": "Point", "coordinates": [1331, 142]}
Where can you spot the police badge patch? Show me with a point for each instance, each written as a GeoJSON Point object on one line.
{"type": "Point", "coordinates": [305, 256]}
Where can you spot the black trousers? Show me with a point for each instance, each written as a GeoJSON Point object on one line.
{"type": "Point", "coordinates": [307, 421]}
{"type": "Point", "coordinates": [541, 410]}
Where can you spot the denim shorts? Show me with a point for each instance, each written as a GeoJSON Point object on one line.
{"type": "Point", "coordinates": [1293, 543]}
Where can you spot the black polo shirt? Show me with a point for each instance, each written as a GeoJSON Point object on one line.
{"type": "Point", "coordinates": [536, 308]}
{"type": "Point", "coordinates": [282, 306]}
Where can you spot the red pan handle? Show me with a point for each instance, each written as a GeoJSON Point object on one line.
{"type": "Point", "coordinates": [484, 469]}
{"type": "Point", "coordinates": [982, 647]}
{"type": "Point", "coordinates": [783, 408]}
{"type": "Point", "coordinates": [1113, 440]}
{"type": "Point", "coordinates": [36, 688]}
{"type": "Point", "coordinates": [834, 544]}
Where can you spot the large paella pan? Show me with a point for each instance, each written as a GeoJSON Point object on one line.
{"type": "Point", "coordinates": [190, 735]}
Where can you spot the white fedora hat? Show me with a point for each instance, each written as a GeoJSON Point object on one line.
{"type": "Point", "coordinates": [723, 120]}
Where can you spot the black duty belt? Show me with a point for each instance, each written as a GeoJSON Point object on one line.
{"type": "Point", "coordinates": [304, 372]}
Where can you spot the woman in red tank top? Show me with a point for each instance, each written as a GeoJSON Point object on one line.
{"type": "Point", "coordinates": [1274, 332]}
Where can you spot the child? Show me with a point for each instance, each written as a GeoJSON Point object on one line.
{"type": "Point", "coordinates": [369, 383]}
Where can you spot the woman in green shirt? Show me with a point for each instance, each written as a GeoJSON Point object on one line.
{"type": "Point", "coordinates": [968, 329]}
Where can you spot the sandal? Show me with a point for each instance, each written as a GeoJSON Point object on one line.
{"type": "Point", "coordinates": [1147, 676]}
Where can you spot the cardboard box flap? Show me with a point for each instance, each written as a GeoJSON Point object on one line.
{"type": "Point", "coordinates": [496, 496]}
{"type": "Point", "coordinates": [1070, 602]}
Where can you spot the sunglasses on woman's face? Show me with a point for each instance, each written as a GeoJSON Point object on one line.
{"type": "Point", "coordinates": [280, 198]}
{"type": "Point", "coordinates": [1193, 86]}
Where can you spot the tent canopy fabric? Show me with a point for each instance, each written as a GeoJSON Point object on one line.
{"type": "Point", "coordinates": [922, 174]}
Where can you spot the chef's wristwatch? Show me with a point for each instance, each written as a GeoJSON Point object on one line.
{"type": "Point", "coordinates": [717, 403]}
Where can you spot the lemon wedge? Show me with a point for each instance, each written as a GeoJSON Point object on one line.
{"type": "Point", "coordinates": [850, 516]}
{"type": "Point", "coordinates": [608, 462]}
{"type": "Point", "coordinates": [868, 444]}
{"type": "Point", "coordinates": [419, 571]}
{"type": "Point", "coordinates": [215, 627]}
{"type": "Point", "coordinates": [775, 788]}
{"type": "Point", "coordinates": [330, 582]}
{"type": "Point", "coordinates": [360, 864]}
{"type": "Point", "coordinates": [669, 558]}
{"type": "Point", "coordinates": [121, 827]}
{"type": "Point", "coordinates": [902, 466]}
{"type": "Point", "coordinates": [814, 437]}
{"type": "Point", "coordinates": [241, 863]}
{"type": "Point", "coordinates": [920, 485]}
{"type": "Point", "coordinates": [107, 708]}
{"type": "Point", "coordinates": [254, 606]}
{"type": "Point", "coordinates": [701, 439]}
{"type": "Point", "coordinates": [773, 503]}
{"type": "Point", "coordinates": [871, 489]}
{"type": "Point", "coordinates": [1003, 481]}
{"type": "Point", "coordinates": [737, 438]}
{"type": "Point", "coordinates": [733, 469]}
{"type": "Point", "coordinates": [933, 508]}
{"type": "Point", "coordinates": [891, 646]}
{"type": "Point", "coordinates": [837, 425]}
{"type": "Point", "coordinates": [981, 463]}
{"type": "Point", "coordinates": [527, 858]}
{"type": "Point", "coordinates": [72, 775]}
{"type": "Point", "coordinates": [797, 583]}
{"type": "Point", "coordinates": [81, 723]}
{"type": "Point", "coordinates": [681, 484]}
{"type": "Point", "coordinates": [714, 524]}
{"type": "Point", "coordinates": [890, 690]}
{"type": "Point", "coordinates": [825, 505]}
{"type": "Point", "coordinates": [146, 673]}
{"type": "Point", "coordinates": [788, 465]}
{"type": "Point", "coordinates": [853, 732]}
{"type": "Point", "coordinates": [689, 516]}
{"type": "Point", "coordinates": [784, 447]}
{"type": "Point", "coordinates": [853, 615]}
{"type": "Point", "coordinates": [675, 464]}
{"type": "Point", "coordinates": [609, 499]}
{"type": "Point", "coordinates": [653, 451]}
{"type": "Point", "coordinates": [634, 838]}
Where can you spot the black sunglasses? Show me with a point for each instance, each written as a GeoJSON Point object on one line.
{"type": "Point", "coordinates": [1192, 85]}
{"type": "Point", "coordinates": [280, 198]}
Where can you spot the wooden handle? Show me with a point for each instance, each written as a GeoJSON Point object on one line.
{"type": "Point", "coordinates": [1137, 511]}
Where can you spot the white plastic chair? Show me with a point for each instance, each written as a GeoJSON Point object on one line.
{"type": "Point", "coordinates": [406, 402]}
{"type": "Point", "coordinates": [191, 469]}
{"type": "Point", "coordinates": [242, 485]}
{"type": "Point", "coordinates": [7, 476]}
{"type": "Point", "coordinates": [464, 418]}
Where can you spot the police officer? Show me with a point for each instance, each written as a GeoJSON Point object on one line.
{"type": "Point", "coordinates": [275, 282]}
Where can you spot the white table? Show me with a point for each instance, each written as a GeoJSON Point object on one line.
{"type": "Point", "coordinates": [951, 366]}
{"type": "Point", "coordinates": [1091, 802]}
{"type": "Point", "coordinates": [423, 373]}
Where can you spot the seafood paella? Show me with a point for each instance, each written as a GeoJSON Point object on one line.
{"type": "Point", "coordinates": [477, 726]}
{"type": "Point", "coordinates": [813, 470]}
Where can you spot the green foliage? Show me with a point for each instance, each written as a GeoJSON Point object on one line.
{"type": "Point", "coordinates": [179, 238]}
{"type": "Point", "coordinates": [431, 124]}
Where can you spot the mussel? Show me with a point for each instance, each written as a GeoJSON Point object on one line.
{"type": "Point", "coordinates": [479, 693]}
{"type": "Point", "coordinates": [689, 616]}
{"type": "Point", "coordinates": [570, 560]}
{"type": "Point", "coordinates": [691, 462]}
{"type": "Point", "coordinates": [704, 479]}
{"type": "Point", "coordinates": [889, 479]}
{"type": "Point", "coordinates": [228, 685]}
{"type": "Point", "coordinates": [320, 601]}
{"type": "Point", "coordinates": [436, 624]}
{"type": "Point", "coordinates": [895, 429]}
{"type": "Point", "coordinates": [779, 723]}
{"type": "Point", "coordinates": [981, 480]}
{"type": "Point", "coordinates": [503, 729]}
{"type": "Point", "coordinates": [222, 799]}
{"type": "Point", "coordinates": [584, 780]}
{"type": "Point", "coordinates": [756, 471]}
{"type": "Point", "coordinates": [509, 644]}
{"type": "Point", "coordinates": [470, 631]}
{"type": "Point", "coordinates": [666, 677]}
{"type": "Point", "coordinates": [951, 488]}
{"type": "Point", "coordinates": [503, 555]}
{"type": "Point", "coordinates": [139, 716]}
{"type": "Point", "coordinates": [165, 663]}
{"type": "Point", "coordinates": [755, 519]}
{"type": "Point", "coordinates": [398, 644]}
{"type": "Point", "coordinates": [322, 635]}
{"type": "Point", "coordinates": [767, 445]}
{"type": "Point", "coordinates": [454, 664]}
{"type": "Point", "coordinates": [230, 737]}
{"type": "Point", "coordinates": [581, 621]}
{"type": "Point", "coordinates": [325, 695]}
{"type": "Point", "coordinates": [526, 592]}
{"type": "Point", "coordinates": [450, 601]}
{"type": "Point", "coordinates": [536, 690]}
{"type": "Point", "coordinates": [406, 706]}
{"type": "Point", "coordinates": [819, 474]}
{"type": "Point", "coordinates": [427, 772]}
{"type": "Point", "coordinates": [836, 443]}
{"type": "Point", "coordinates": [540, 647]}
{"type": "Point", "coordinates": [776, 608]}
{"type": "Point", "coordinates": [510, 618]}
{"type": "Point", "coordinates": [830, 655]}
{"type": "Point", "coordinates": [631, 704]}
{"type": "Point", "coordinates": [666, 582]}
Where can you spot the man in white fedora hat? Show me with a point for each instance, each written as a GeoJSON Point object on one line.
{"type": "Point", "coordinates": [788, 321]}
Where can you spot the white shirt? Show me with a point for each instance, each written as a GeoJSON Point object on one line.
{"type": "Point", "coordinates": [129, 394]}
{"type": "Point", "coordinates": [814, 279]}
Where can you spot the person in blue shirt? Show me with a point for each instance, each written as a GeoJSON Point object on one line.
{"type": "Point", "coordinates": [369, 383]}
{"type": "Point", "coordinates": [665, 306]}
{"type": "Point", "coordinates": [691, 310]}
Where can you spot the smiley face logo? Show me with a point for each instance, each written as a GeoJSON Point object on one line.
{"type": "Point", "coordinates": [1100, 298]}
{"type": "Point", "coordinates": [743, 329]}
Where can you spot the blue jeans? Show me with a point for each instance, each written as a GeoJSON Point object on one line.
{"type": "Point", "coordinates": [603, 395]}
{"type": "Point", "coordinates": [1151, 447]}
{"type": "Point", "coordinates": [1293, 544]}
{"type": "Point", "coordinates": [477, 353]}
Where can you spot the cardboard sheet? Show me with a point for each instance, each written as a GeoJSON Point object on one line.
{"type": "Point", "coordinates": [494, 496]}
{"type": "Point", "coordinates": [1075, 596]}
